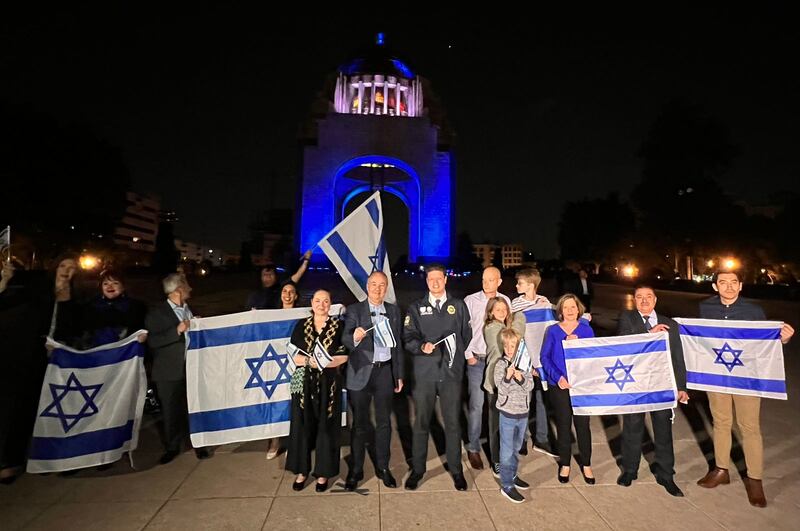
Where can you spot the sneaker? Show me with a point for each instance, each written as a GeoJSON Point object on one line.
{"type": "Point", "coordinates": [513, 495]}
{"type": "Point", "coordinates": [544, 448]}
{"type": "Point", "coordinates": [521, 483]}
{"type": "Point", "coordinates": [496, 470]}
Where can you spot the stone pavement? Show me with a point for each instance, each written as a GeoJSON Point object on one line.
{"type": "Point", "coordinates": [238, 489]}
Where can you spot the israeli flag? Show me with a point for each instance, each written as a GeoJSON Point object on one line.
{"type": "Point", "coordinates": [291, 352]}
{"type": "Point", "coordinates": [321, 355]}
{"type": "Point", "coordinates": [522, 359]}
{"type": "Point", "coordinates": [90, 407]}
{"type": "Point", "coordinates": [238, 374]}
{"type": "Point", "coordinates": [624, 374]}
{"type": "Point", "coordinates": [536, 322]}
{"type": "Point", "coordinates": [734, 357]}
{"type": "Point", "coordinates": [384, 335]}
{"type": "Point", "coordinates": [5, 238]}
{"type": "Point", "coordinates": [356, 248]}
{"type": "Point", "coordinates": [450, 344]}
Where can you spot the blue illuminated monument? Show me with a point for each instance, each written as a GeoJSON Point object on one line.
{"type": "Point", "coordinates": [371, 130]}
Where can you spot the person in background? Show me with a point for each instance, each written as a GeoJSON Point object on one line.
{"type": "Point", "coordinates": [269, 295]}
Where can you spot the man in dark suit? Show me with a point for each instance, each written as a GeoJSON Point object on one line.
{"type": "Point", "coordinates": [582, 287]}
{"type": "Point", "coordinates": [429, 320]}
{"type": "Point", "coordinates": [167, 323]}
{"type": "Point", "coordinates": [374, 372]}
{"type": "Point", "coordinates": [645, 319]}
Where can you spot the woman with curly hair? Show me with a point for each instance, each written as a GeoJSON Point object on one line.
{"type": "Point", "coordinates": [316, 418]}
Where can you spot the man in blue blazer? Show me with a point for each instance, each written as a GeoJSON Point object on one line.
{"type": "Point", "coordinates": [374, 372]}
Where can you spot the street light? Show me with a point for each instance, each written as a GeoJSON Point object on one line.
{"type": "Point", "coordinates": [629, 271]}
{"type": "Point", "coordinates": [730, 263]}
{"type": "Point", "coordinates": [89, 262]}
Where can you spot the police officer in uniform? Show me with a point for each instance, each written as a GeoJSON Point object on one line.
{"type": "Point", "coordinates": [430, 319]}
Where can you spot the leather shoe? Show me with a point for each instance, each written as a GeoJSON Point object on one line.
{"type": "Point", "coordinates": [298, 485]}
{"type": "Point", "coordinates": [587, 479]}
{"type": "Point", "coordinates": [671, 487]}
{"type": "Point", "coordinates": [625, 479]}
{"type": "Point", "coordinates": [475, 460]}
{"type": "Point", "coordinates": [755, 492]}
{"type": "Point", "coordinates": [413, 481]}
{"type": "Point", "coordinates": [202, 453]}
{"type": "Point", "coordinates": [168, 456]}
{"type": "Point", "coordinates": [562, 479]}
{"type": "Point", "coordinates": [350, 484]}
{"type": "Point", "coordinates": [386, 476]}
{"type": "Point", "coordinates": [717, 476]}
{"type": "Point", "coordinates": [321, 487]}
{"type": "Point", "coordinates": [459, 482]}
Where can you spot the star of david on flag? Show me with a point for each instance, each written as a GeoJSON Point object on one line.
{"type": "Point", "coordinates": [238, 372]}
{"type": "Point", "coordinates": [734, 357]}
{"type": "Point", "coordinates": [268, 385]}
{"type": "Point", "coordinates": [356, 247]}
{"type": "Point", "coordinates": [90, 406]}
{"type": "Point", "coordinates": [624, 374]}
{"type": "Point", "coordinates": [56, 409]}
{"type": "Point", "coordinates": [722, 356]}
{"type": "Point", "coordinates": [612, 374]}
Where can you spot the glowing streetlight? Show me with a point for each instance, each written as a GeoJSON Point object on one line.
{"type": "Point", "coordinates": [730, 263]}
{"type": "Point", "coordinates": [89, 262]}
{"type": "Point", "coordinates": [710, 263]}
{"type": "Point", "coordinates": [629, 271]}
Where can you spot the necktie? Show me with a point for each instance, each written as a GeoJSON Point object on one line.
{"type": "Point", "coordinates": [647, 322]}
{"type": "Point", "coordinates": [438, 305]}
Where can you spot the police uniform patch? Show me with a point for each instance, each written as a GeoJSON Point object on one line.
{"type": "Point", "coordinates": [451, 309]}
{"type": "Point", "coordinates": [408, 320]}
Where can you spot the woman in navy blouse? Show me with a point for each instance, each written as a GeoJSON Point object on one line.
{"type": "Point", "coordinates": [568, 310]}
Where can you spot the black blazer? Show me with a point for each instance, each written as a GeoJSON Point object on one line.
{"type": "Point", "coordinates": [359, 365]}
{"type": "Point", "coordinates": [630, 322]}
{"type": "Point", "coordinates": [168, 347]}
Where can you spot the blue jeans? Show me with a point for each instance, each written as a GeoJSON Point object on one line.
{"type": "Point", "coordinates": [512, 433]}
{"type": "Point", "coordinates": [475, 409]}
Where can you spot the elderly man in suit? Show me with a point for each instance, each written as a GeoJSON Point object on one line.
{"type": "Point", "coordinates": [645, 319]}
{"type": "Point", "coordinates": [374, 372]}
{"type": "Point", "coordinates": [167, 323]}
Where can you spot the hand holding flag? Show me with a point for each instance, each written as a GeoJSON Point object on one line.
{"type": "Point", "coordinates": [321, 356]}
{"type": "Point", "coordinates": [450, 343]}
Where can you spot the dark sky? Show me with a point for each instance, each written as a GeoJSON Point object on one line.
{"type": "Point", "coordinates": [205, 104]}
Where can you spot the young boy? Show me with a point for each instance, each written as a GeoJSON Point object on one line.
{"type": "Point", "coordinates": [513, 393]}
{"type": "Point", "coordinates": [528, 281]}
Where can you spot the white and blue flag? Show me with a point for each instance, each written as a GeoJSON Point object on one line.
{"type": "Point", "coordinates": [356, 248]}
{"type": "Point", "coordinates": [734, 357]}
{"type": "Point", "coordinates": [536, 322]}
{"type": "Point", "coordinates": [238, 375]}
{"type": "Point", "coordinates": [90, 407]}
{"type": "Point", "coordinates": [522, 358]}
{"type": "Point", "coordinates": [623, 374]}
{"type": "Point", "coordinates": [383, 333]}
{"type": "Point", "coordinates": [321, 356]}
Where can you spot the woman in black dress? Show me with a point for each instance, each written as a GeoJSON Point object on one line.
{"type": "Point", "coordinates": [316, 421]}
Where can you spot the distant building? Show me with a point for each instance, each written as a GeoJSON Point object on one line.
{"type": "Point", "coordinates": [189, 250]}
{"type": "Point", "coordinates": [138, 228]}
{"type": "Point", "coordinates": [512, 255]}
{"type": "Point", "coordinates": [485, 253]}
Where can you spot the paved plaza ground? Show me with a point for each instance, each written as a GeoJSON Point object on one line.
{"type": "Point", "coordinates": [238, 489]}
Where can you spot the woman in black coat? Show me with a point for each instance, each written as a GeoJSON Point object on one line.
{"type": "Point", "coordinates": [316, 418]}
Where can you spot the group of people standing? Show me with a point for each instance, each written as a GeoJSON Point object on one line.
{"type": "Point", "coordinates": [486, 329]}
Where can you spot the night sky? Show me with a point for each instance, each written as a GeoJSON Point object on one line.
{"type": "Point", "coordinates": [205, 104]}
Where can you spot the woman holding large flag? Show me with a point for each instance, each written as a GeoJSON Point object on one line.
{"type": "Point", "coordinates": [316, 387]}
{"type": "Point", "coordinates": [568, 311]}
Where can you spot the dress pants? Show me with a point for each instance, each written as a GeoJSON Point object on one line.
{"type": "Point", "coordinates": [562, 407]}
{"type": "Point", "coordinates": [748, 410]}
{"type": "Point", "coordinates": [424, 394]}
{"type": "Point", "coordinates": [379, 389]}
{"type": "Point", "coordinates": [632, 432]}
{"type": "Point", "coordinates": [174, 413]}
